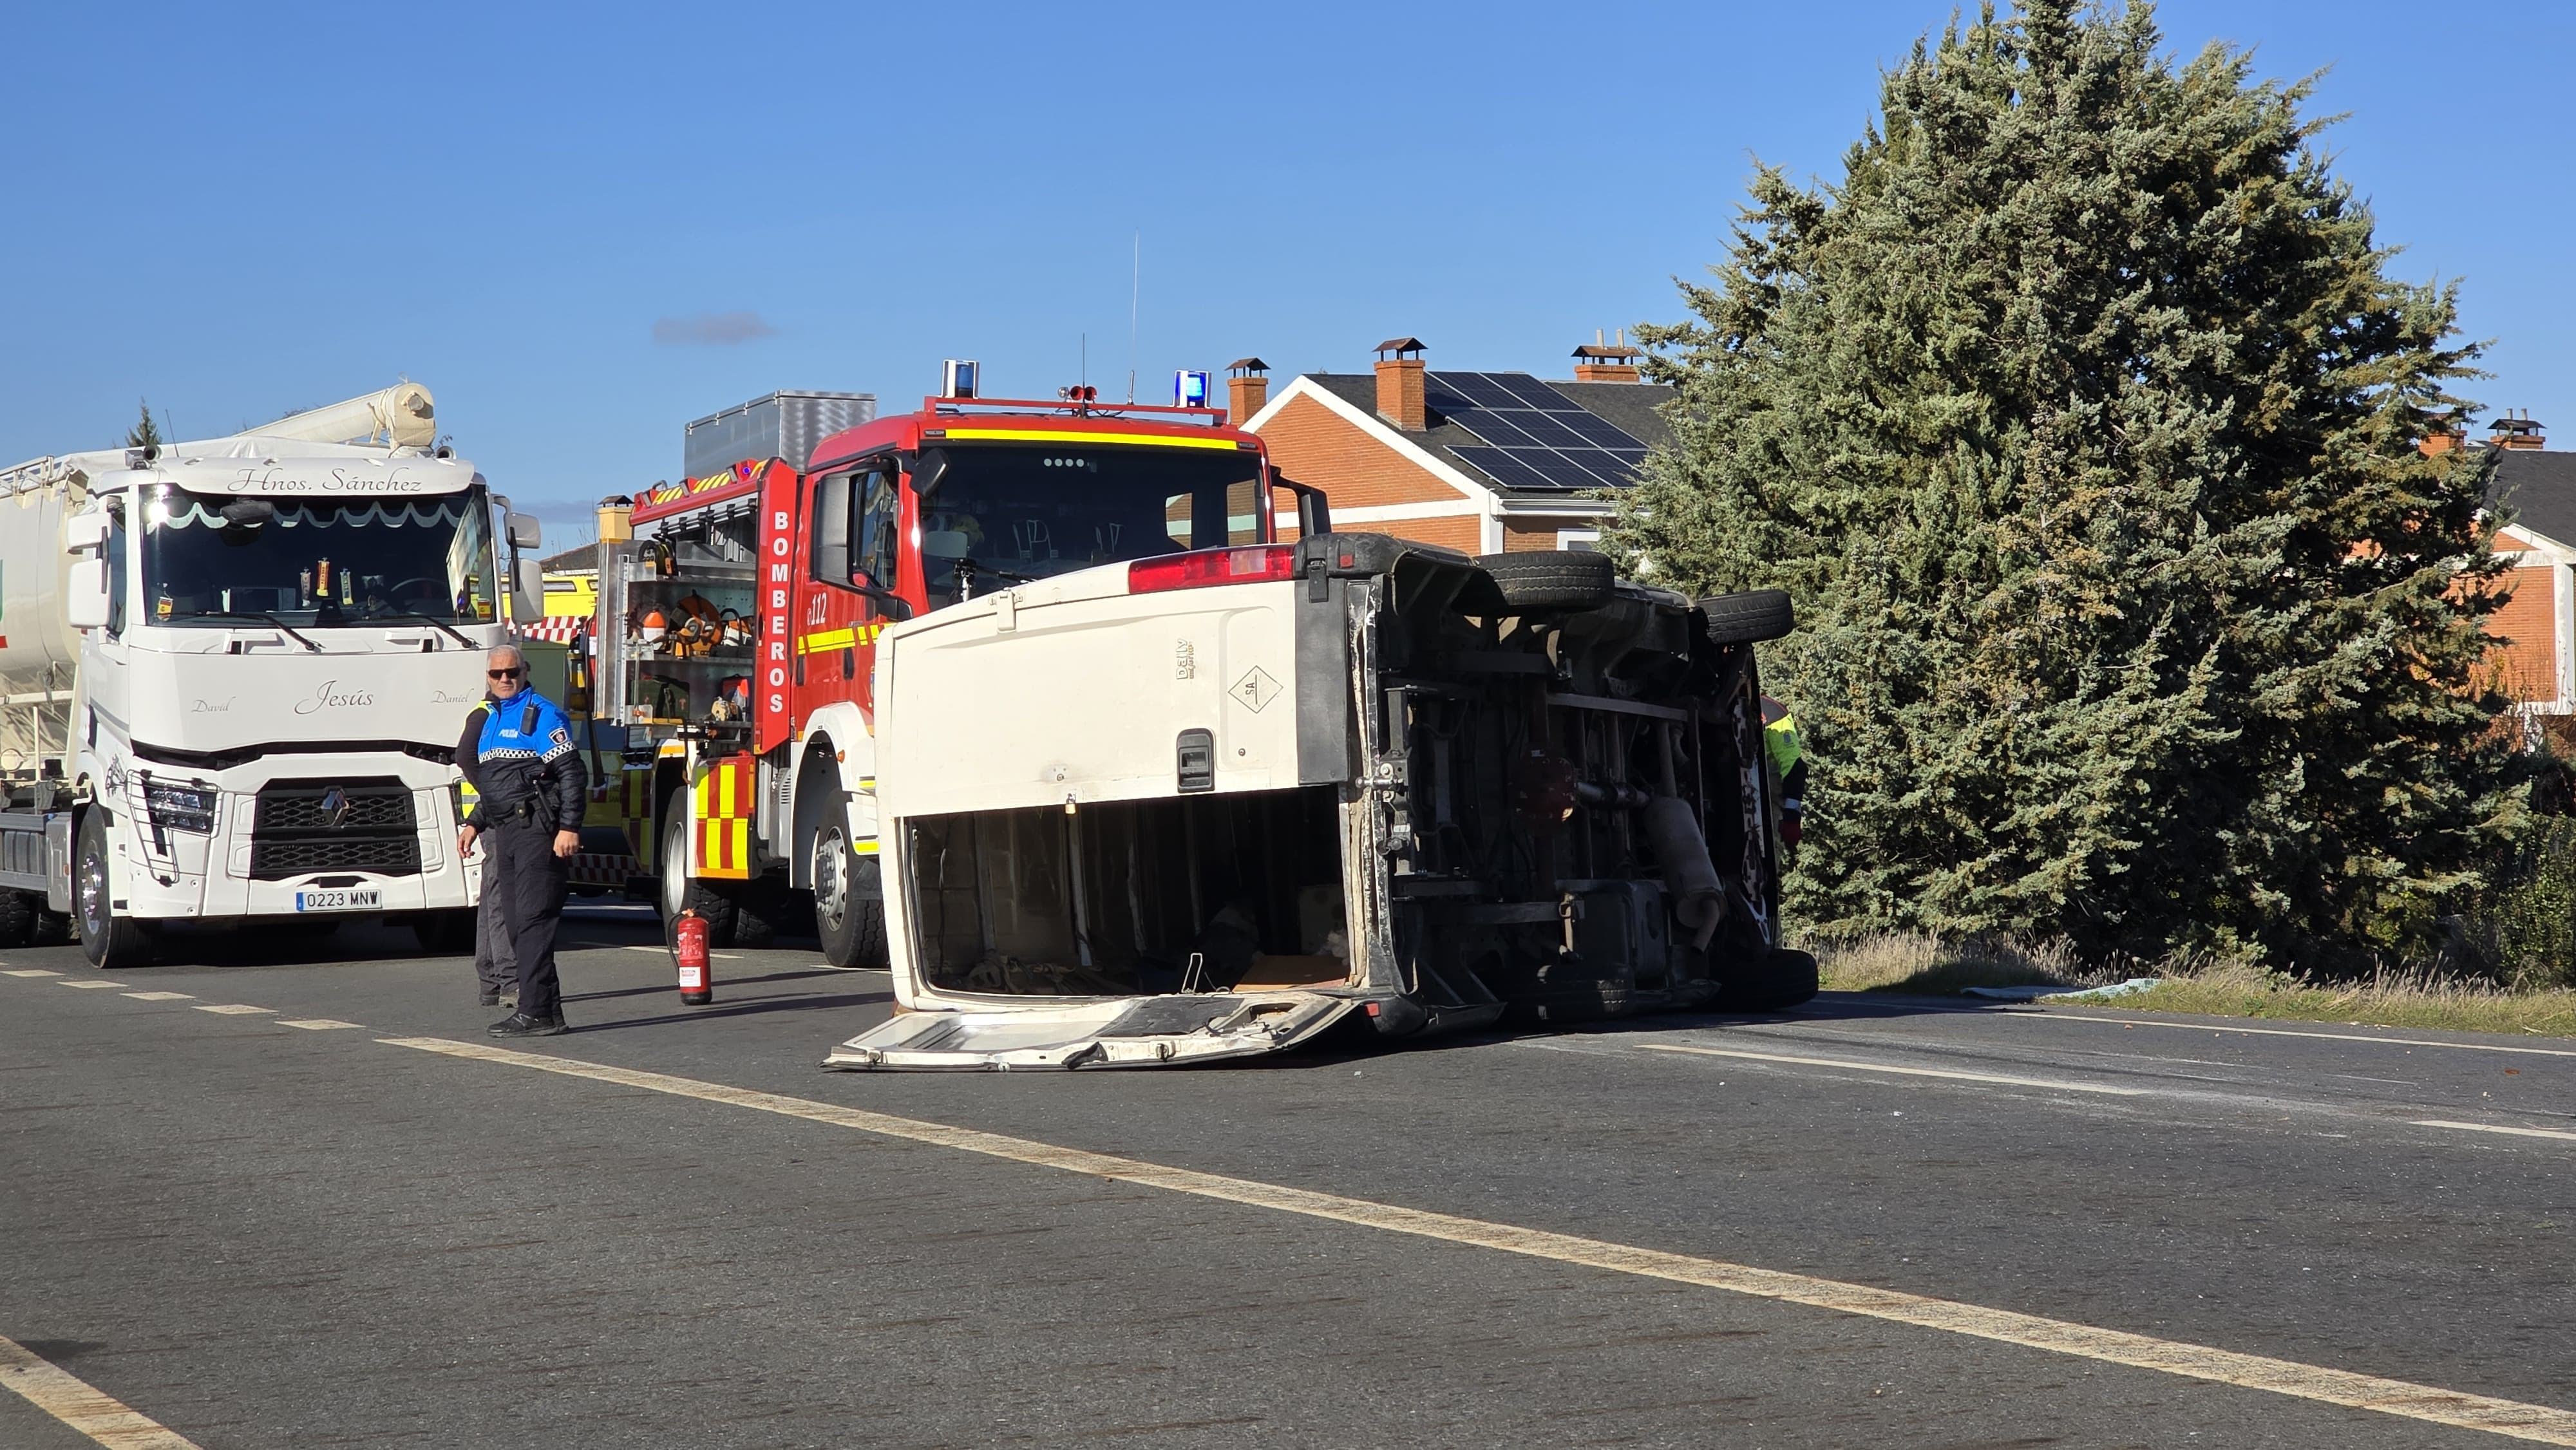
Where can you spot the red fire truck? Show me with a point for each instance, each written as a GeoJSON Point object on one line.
{"type": "Point", "coordinates": [738, 613]}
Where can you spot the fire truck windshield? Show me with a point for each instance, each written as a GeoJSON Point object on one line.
{"type": "Point", "coordinates": [212, 561]}
{"type": "Point", "coordinates": [1007, 513]}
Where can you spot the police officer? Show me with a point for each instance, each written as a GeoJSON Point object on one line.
{"type": "Point", "coordinates": [530, 795]}
{"type": "Point", "coordinates": [496, 970]}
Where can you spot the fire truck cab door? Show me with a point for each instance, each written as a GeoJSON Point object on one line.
{"type": "Point", "coordinates": [830, 629]}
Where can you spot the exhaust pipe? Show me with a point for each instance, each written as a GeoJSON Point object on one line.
{"type": "Point", "coordinates": [1690, 877]}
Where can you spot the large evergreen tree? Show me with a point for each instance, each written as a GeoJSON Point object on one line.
{"type": "Point", "coordinates": [2080, 417]}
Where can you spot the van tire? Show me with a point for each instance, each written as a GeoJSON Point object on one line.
{"type": "Point", "coordinates": [111, 942]}
{"type": "Point", "coordinates": [1773, 983]}
{"type": "Point", "coordinates": [1553, 580]}
{"type": "Point", "coordinates": [1750, 617]}
{"type": "Point", "coordinates": [676, 890]}
{"type": "Point", "coordinates": [1569, 990]}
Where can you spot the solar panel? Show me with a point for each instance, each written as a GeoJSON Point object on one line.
{"type": "Point", "coordinates": [1540, 438]}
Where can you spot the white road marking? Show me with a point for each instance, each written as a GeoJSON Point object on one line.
{"type": "Point", "coordinates": [161, 997]}
{"type": "Point", "coordinates": [2285, 1032]}
{"type": "Point", "coordinates": [28, 972]}
{"type": "Point", "coordinates": [236, 1009]}
{"type": "Point", "coordinates": [2492, 1128]}
{"type": "Point", "coordinates": [317, 1024]}
{"type": "Point", "coordinates": [2053, 1084]}
{"type": "Point", "coordinates": [2541, 1423]}
{"type": "Point", "coordinates": [82, 1406]}
{"type": "Point", "coordinates": [89, 984]}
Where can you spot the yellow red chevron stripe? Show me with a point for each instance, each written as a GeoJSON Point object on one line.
{"type": "Point", "coordinates": [722, 798]}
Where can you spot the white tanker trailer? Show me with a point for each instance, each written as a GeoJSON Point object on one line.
{"type": "Point", "coordinates": [232, 674]}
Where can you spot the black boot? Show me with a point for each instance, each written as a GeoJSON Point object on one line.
{"type": "Point", "coordinates": [520, 1024]}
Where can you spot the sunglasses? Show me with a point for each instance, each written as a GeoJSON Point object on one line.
{"type": "Point", "coordinates": [510, 674]}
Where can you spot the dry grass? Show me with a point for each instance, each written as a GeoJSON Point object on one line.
{"type": "Point", "coordinates": [2389, 1000]}
{"type": "Point", "coordinates": [1905, 962]}
{"type": "Point", "coordinates": [1909, 962]}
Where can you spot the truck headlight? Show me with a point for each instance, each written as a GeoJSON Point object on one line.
{"type": "Point", "coordinates": [181, 807]}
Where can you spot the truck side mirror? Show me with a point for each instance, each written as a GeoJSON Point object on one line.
{"type": "Point", "coordinates": [1314, 514]}
{"type": "Point", "coordinates": [527, 591]}
{"type": "Point", "coordinates": [525, 531]}
{"type": "Point", "coordinates": [85, 531]}
{"type": "Point", "coordinates": [85, 603]}
{"type": "Point", "coordinates": [896, 607]}
{"type": "Point", "coordinates": [927, 470]}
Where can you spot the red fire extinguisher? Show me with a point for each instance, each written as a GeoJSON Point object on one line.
{"type": "Point", "coordinates": [697, 978]}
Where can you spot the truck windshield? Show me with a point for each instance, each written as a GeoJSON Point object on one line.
{"type": "Point", "coordinates": [209, 559]}
{"type": "Point", "coordinates": [1015, 512]}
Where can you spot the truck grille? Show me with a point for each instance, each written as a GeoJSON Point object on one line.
{"type": "Point", "coordinates": [303, 826]}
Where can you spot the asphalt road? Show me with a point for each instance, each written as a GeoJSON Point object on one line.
{"type": "Point", "coordinates": [261, 1234]}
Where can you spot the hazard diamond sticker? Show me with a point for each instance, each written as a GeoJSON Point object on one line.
{"type": "Point", "coordinates": [1255, 689]}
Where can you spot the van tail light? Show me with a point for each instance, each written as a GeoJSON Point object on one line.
{"type": "Point", "coordinates": [1203, 567]}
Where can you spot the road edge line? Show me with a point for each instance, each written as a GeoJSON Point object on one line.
{"type": "Point", "coordinates": [2542, 1424]}
{"type": "Point", "coordinates": [2049, 1084]}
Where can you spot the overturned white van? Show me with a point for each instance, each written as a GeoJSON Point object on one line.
{"type": "Point", "coordinates": [1212, 804]}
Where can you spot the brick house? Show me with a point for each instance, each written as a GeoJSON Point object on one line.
{"type": "Point", "coordinates": [2536, 629]}
{"type": "Point", "coordinates": [1483, 462]}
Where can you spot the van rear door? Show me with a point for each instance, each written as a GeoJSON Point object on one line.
{"type": "Point", "coordinates": [1100, 1032]}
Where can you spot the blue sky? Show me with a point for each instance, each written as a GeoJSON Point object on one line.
{"type": "Point", "coordinates": [238, 211]}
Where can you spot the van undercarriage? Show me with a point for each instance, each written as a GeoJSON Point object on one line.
{"type": "Point", "coordinates": [1521, 791]}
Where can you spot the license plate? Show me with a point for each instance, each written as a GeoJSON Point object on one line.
{"type": "Point", "coordinates": [359, 899]}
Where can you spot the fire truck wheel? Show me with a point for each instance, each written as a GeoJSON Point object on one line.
{"type": "Point", "coordinates": [17, 918]}
{"type": "Point", "coordinates": [1552, 579]}
{"type": "Point", "coordinates": [852, 928]}
{"type": "Point", "coordinates": [677, 890]}
{"type": "Point", "coordinates": [759, 908]}
{"type": "Point", "coordinates": [1748, 618]}
{"type": "Point", "coordinates": [110, 941]}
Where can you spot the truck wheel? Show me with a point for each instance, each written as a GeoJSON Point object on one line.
{"type": "Point", "coordinates": [1773, 983]}
{"type": "Point", "coordinates": [760, 908]}
{"type": "Point", "coordinates": [17, 919]}
{"type": "Point", "coordinates": [445, 933]}
{"type": "Point", "coordinates": [852, 928]}
{"type": "Point", "coordinates": [1748, 618]}
{"type": "Point", "coordinates": [111, 942]}
{"type": "Point", "coordinates": [1552, 579]}
{"type": "Point", "coordinates": [53, 928]}
{"type": "Point", "coordinates": [678, 891]}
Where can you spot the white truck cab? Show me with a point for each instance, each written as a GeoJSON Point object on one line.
{"type": "Point", "coordinates": [270, 644]}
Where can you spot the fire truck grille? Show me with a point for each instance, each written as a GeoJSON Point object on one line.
{"type": "Point", "coordinates": [304, 826]}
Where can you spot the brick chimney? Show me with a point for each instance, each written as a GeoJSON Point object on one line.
{"type": "Point", "coordinates": [2510, 429]}
{"type": "Point", "coordinates": [2448, 434]}
{"type": "Point", "coordinates": [1247, 389]}
{"type": "Point", "coordinates": [1399, 384]}
{"type": "Point", "coordinates": [1601, 362]}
